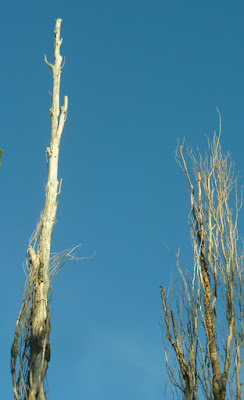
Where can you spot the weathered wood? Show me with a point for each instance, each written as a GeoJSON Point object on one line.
{"type": "Point", "coordinates": [33, 323]}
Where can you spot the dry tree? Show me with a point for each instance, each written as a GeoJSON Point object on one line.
{"type": "Point", "coordinates": [30, 351]}
{"type": "Point", "coordinates": [203, 321]}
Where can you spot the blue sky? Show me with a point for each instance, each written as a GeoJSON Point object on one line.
{"type": "Point", "coordinates": [139, 75]}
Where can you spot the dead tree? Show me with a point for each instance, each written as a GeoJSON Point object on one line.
{"type": "Point", "coordinates": [30, 352]}
{"type": "Point", "coordinates": [204, 323]}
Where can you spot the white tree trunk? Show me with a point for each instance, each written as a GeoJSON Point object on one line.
{"type": "Point", "coordinates": [31, 341]}
{"type": "Point", "coordinates": [40, 347]}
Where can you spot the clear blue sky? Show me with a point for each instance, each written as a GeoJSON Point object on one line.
{"type": "Point", "coordinates": [139, 74]}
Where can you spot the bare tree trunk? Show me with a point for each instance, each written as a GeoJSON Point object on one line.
{"type": "Point", "coordinates": [33, 324]}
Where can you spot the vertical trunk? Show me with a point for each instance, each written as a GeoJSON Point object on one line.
{"type": "Point", "coordinates": [238, 370]}
{"type": "Point", "coordinates": [39, 261]}
{"type": "Point", "coordinates": [209, 319]}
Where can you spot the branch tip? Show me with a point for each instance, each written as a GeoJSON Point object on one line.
{"type": "Point", "coordinates": [48, 63]}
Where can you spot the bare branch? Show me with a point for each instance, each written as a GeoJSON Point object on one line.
{"type": "Point", "coordinates": [209, 332]}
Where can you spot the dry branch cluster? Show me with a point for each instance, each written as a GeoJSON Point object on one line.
{"type": "Point", "coordinates": [204, 325]}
